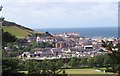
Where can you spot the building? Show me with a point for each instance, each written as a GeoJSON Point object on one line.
{"type": "Point", "coordinates": [57, 52]}
{"type": "Point", "coordinates": [61, 44]}
{"type": "Point", "coordinates": [43, 53]}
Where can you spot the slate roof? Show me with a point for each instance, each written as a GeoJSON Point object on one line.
{"type": "Point", "coordinates": [86, 42]}
{"type": "Point", "coordinates": [47, 52]}
{"type": "Point", "coordinates": [56, 50]}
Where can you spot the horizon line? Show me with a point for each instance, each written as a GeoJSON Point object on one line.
{"type": "Point", "coordinates": [75, 27]}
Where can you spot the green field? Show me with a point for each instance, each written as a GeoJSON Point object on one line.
{"type": "Point", "coordinates": [86, 72]}
{"type": "Point", "coordinates": [83, 72]}
{"type": "Point", "coordinates": [17, 31]}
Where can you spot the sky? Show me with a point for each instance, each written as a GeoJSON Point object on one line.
{"type": "Point", "coordinates": [62, 13]}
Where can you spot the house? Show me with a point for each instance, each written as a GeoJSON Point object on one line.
{"type": "Point", "coordinates": [71, 52]}
{"type": "Point", "coordinates": [50, 39]}
{"type": "Point", "coordinates": [53, 52]}
{"type": "Point", "coordinates": [31, 39]}
{"type": "Point", "coordinates": [37, 54]}
{"type": "Point", "coordinates": [61, 44]}
{"type": "Point", "coordinates": [97, 46]}
{"type": "Point", "coordinates": [57, 52]}
{"type": "Point", "coordinates": [85, 42]}
{"type": "Point", "coordinates": [88, 48]}
{"type": "Point", "coordinates": [70, 43]}
{"type": "Point", "coordinates": [57, 38]}
{"type": "Point", "coordinates": [26, 54]}
{"type": "Point", "coordinates": [44, 53]}
{"type": "Point", "coordinates": [66, 52]}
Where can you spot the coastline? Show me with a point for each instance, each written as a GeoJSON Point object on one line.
{"type": "Point", "coordinates": [87, 32]}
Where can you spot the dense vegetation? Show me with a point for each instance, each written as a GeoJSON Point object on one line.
{"type": "Point", "coordinates": [7, 38]}
{"type": "Point", "coordinates": [54, 66]}
{"type": "Point", "coordinates": [13, 66]}
{"type": "Point", "coordinates": [114, 53]}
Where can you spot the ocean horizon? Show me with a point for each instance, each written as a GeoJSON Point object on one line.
{"type": "Point", "coordinates": [86, 32]}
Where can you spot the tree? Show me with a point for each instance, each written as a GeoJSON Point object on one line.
{"type": "Point", "coordinates": [48, 34]}
{"type": "Point", "coordinates": [55, 67]}
{"type": "Point", "coordinates": [21, 66]}
{"type": "Point", "coordinates": [98, 60]}
{"type": "Point", "coordinates": [30, 66]}
{"type": "Point", "coordinates": [114, 53]}
{"type": "Point", "coordinates": [107, 61]}
{"type": "Point", "coordinates": [90, 62]}
{"type": "Point", "coordinates": [45, 67]}
{"type": "Point", "coordinates": [10, 66]}
{"type": "Point", "coordinates": [7, 38]}
{"type": "Point", "coordinates": [45, 45]}
{"type": "Point", "coordinates": [38, 67]}
{"type": "Point", "coordinates": [4, 54]}
{"type": "Point", "coordinates": [73, 62]}
{"type": "Point", "coordinates": [21, 42]}
{"type": "Point", "coordinates": [83, 61]}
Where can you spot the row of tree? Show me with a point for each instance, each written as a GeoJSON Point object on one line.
{"type": "Point", "coordinates": [97, 61]}
{"type": "Point", "coordinates": [54, 66]}
{"type": "Point", "coordinates": [14, 66]}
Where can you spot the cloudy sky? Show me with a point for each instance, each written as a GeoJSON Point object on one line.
{"type": "Point", "coordinates": [62, 14]}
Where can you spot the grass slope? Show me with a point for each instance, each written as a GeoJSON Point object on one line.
{"type": "Point", "coordinates": [17, 31]}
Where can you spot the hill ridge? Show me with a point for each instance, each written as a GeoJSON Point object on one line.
{"type": "Point", "coordinates": [8, 23]}
{"type": "Point", "coordinates": [18, 30]}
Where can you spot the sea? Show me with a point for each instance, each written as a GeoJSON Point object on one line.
{"type": "Point", "coordinates": [86, 32]}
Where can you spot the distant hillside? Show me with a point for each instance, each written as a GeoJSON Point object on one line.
{"type": "Point", "coordinates": [17, 30]}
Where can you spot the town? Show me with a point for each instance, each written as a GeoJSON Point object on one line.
{"type": "Point", "coordinates": [64, 45]}
{"type": "Point", "coordinates": [58, 38]}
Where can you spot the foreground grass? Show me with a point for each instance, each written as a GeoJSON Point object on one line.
{"type": "Point", "coordinates": [91, 75]}
{"type": "Point", "coordinates": [86, 72]}
{"type": "Point", "coordinates": [83, 72]}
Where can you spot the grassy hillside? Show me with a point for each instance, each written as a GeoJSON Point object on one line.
{"type": "Point", "coordinates": [17, 30]}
